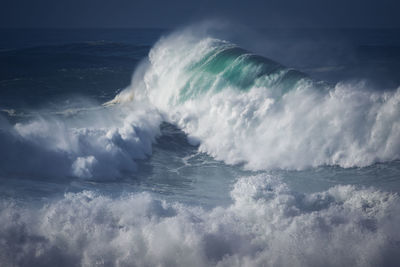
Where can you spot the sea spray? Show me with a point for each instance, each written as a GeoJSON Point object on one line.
{"type": "Point", "coordinates": [243, 108]}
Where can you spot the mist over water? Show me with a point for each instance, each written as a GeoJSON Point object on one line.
{"type": "Point", "coordinates": [213, 155]}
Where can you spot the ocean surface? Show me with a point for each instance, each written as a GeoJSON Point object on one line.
{"type": "Point", "coordinates": [200, 146]}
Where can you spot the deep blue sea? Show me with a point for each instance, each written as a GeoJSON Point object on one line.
{"type": "Point", "coordinates": [200, 146]}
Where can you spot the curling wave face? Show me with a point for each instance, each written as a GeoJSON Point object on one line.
{"type": "Point", "coordinates": [243, 108]}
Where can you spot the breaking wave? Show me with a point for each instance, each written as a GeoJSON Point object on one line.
{"type": "Point", "coordinates": [99, 143]}
{"type": "Point", "coordinates": [243, 108]}
{"type": "Point", "coordinates": [239, 107]}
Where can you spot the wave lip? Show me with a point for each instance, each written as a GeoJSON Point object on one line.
{"type": "Point", "coordinates": [184, 67]}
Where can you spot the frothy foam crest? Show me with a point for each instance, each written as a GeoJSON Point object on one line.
{"type": "Point", "coordinates": [277, 119]}
{"type": "Point", "coordinates": [266, 225]}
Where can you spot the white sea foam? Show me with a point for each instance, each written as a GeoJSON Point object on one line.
{"type": "Point", "coordinates": [266, 225]}
{"type": "Point", "coordinates": [99, 144]}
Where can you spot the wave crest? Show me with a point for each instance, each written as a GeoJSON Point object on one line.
{"type": "Point", "coordinates": [243, 108]}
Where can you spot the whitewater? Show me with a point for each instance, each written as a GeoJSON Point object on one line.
{"type": "Point", "coordinates": [212, 156]}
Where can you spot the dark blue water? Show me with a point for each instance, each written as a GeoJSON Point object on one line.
{"type": "Point", "coordinates": [49, 65]}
